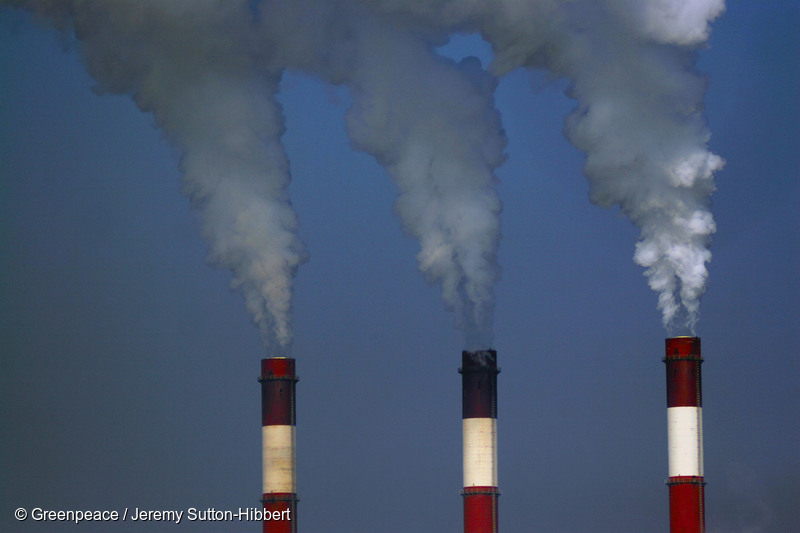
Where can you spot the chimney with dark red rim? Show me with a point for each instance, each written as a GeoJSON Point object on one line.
{"type": "Point", "coordinates": [685, 435]}
{"type": "Point", "coordinates": [278, 381]}
{"type": "Point", "coordinates": [479, 418]}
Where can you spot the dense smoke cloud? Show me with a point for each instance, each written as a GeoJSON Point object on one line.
{"type": "Point", "coordinates": [212, 98]}
{"type": "Point", "coordinates": [209, 71]}
{"type": "Point", "coordinates": [431, 123]}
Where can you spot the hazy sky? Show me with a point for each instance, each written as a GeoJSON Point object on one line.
{"type": "Point", "coordinates": [129, 368]}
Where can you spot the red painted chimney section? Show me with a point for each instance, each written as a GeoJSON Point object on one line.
{"type": "Point", "coordinates": [278, 381]}
{"type": "Point", "coordinates": [479, 418]}
{"type": "Point", "coordinates": [685, 435]}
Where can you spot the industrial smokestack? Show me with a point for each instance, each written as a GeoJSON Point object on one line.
{"type": "Point", "coordinates": [479, 412]}
{"type": "Point", "coordinates": [685, 435]}
{"type": "Point", "coordinates": [278, 439]}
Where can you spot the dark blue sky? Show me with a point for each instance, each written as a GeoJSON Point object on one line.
{"type": "Point", "coordinates": [129, 368]}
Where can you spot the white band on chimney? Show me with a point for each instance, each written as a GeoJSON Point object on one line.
{"type": "Point", "coordinates": [685, 441]}
{"type": "Point", "coordinates": [480, 452]}
{"type": "Point", "coordinates": [279, 459]}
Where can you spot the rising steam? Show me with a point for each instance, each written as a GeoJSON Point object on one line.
{"type": "Point", "coordinates": [216, 102]}
{"type": "Point", "coordinates": [431, 123]}
{"type": "Point", "coordinates": [209, 71]}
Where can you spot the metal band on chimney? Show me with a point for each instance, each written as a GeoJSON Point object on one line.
{"type": "Point", "coordinates": [479, 424]}
{"type": "Point", "coordinates": [278, 381]}
{"type": "Point", "coordinates": [685, 435]}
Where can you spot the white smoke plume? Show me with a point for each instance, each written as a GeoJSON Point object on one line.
{"type": "Point", "coordinates": [640, 122]}
{"type": "Point", "coordinates": [432, 124]}
{"type": "Point", "coordinates": [209, 70]}
{"type": "Point", "coordinates": [214, 99]}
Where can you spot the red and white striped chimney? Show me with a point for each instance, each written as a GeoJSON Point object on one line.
{"type": "Point", "coordinates": [685, 435]}
{"type": "Point", "coordinates": [278, 381]}
{"type": "Point", "coordinates": [479, 412]}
